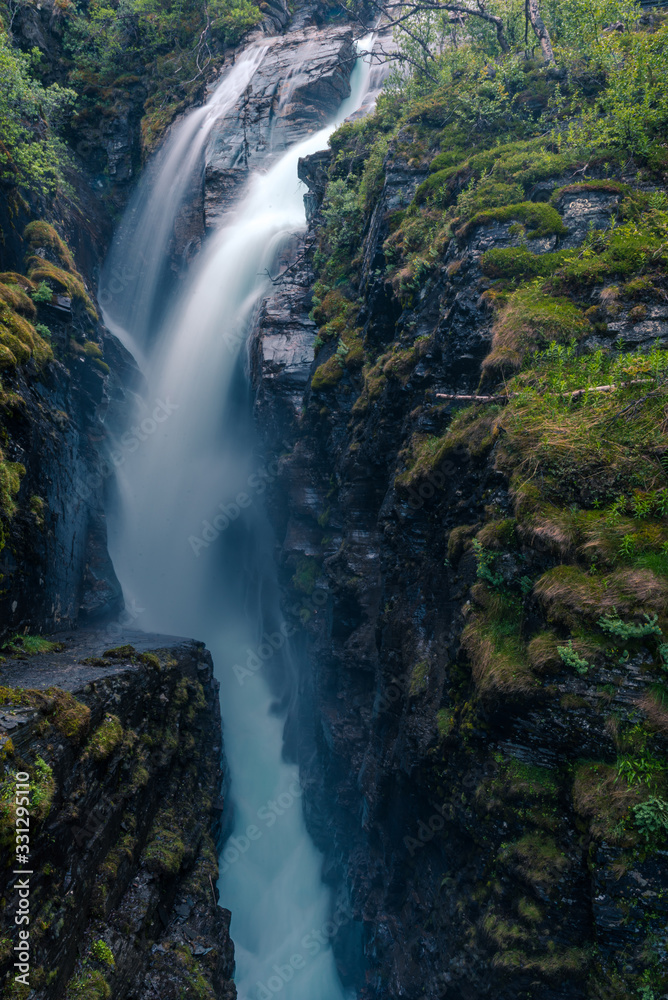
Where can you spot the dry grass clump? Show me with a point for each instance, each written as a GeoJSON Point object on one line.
{"type": "Point", "coordinates": [654, 704]}
{"type": "Point", "coordinates": [591, 448]}
{"type": "Point", "coordinates": [604, 798]}
{"type": "Point", "coordinates": [542, 653]}
{"type": "Point", "coordinates": [543, 650]}
{"type": "Point", "coordinates": [504, 934]}
{"type": "Point", "coordinates": [497, 653]}
{"type": "Point", "coordinates": [550, 530]}
{"type": "Point", "coordinates": [552, 964]}
{"type": "Point", "coordinates": [570, 594]}
{"type": "Point", "coordinates": [530, 320]}
{"type": "Point", "coordinates": [594, 536]}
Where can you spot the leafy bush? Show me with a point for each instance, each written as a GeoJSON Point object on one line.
{"type": "Point", "coordinates": [103, 953]}
{"type": "Point", "coordinates": [570, 658]}
{"type": "Point", "coordinates": [343, 218]}
{"type": "Point", "coordinates": [632, 111]}
{"type": "Point", "coordinates": [651, 817]}
{"type": "Point", "coordinates": [31, 155]}
{"type": "Point", "coordinates": [614, 625]}
{"type": "Point", "coordinates": [166, 43]}
{"type": "Point", "coordinates": [485, 560]}
{"type": "Point", "coordinates": [42, 293]}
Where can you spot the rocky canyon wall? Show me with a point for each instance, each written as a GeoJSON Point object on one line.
{"type": "Point", "coordinates": [465, 771]}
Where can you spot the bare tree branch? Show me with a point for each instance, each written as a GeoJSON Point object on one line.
{"type": "Point", "coordinates": [541, 32]}
{"type": "Point", "coordinates": [397, 13]}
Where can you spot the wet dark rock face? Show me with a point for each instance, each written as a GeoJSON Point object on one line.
{"type": "Point", "coordinates": [414, 822]}
{"type": "Point", "coordinates": [125, 852]}
{"type": "Point", "coordinates": [54, 562]}
{"type": "Point", "coordinates": [300, 83]}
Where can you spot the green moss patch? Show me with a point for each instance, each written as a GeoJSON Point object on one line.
{"type": "Point", "coordinates": [419, 682]}
{"type": "Point", "coordinates": [515, 263]}
{"type": "Point", "coordinates": [106, 738]}
{"type": "Point", "coordinates": [19, 337]}
{"type": "Point", "coordinates": [40, 234]}
{"type": "Point", "coordinates": [61, 281]}
{"type": "Point", "coordinates": [327, 375]}
{"type": "Point", "coordinates": [540, 219]}
{"type": "Point", "coordinates": [471, 434]}
{"type": "Point", "coordinates": [165, 850]}
{"type": "Point", "coordinates": [88, 985]}
{"type": "Point", "coordinates": [397, 364]}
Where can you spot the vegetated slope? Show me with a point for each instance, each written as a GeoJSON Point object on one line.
{"type": "Point", "coordinates": [489, 672]}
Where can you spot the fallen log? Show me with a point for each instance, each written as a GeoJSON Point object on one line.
{"type": "Point", "coordinates": [476, 399]}
{"type": "Point", "coordinates": [574, 394]}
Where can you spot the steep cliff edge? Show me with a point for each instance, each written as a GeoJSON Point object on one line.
{"type": "Point", "coordinates": [56, 391]}
{"type": "Point", "coordinates": [479, 584]}
{"type": "Point", "coordinates": [123, 749]}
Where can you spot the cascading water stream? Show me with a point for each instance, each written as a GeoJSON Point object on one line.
{"type": "Point", "coordinates": [135, 262]}
{"type": "Point", "coordinates": [197, 558]}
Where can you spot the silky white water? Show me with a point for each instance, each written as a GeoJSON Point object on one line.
{"type": "Point", "coordinates": [197, 559]}
{"type": "Point", "coordinates": [131, 276]}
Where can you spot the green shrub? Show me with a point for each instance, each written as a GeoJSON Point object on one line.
{"type": "Point", "coordinates": [103, 953]}
{"type": "Point", "coordinates": [613, 625]}
{"type": "Point", "coordinates": [485, 562]}
{"type": "Point", "coordinates": [106, 738]}
{"type": "Point", "coordinates": [31, 156]}
{"type": "Point", "coordinates": [651, 817]}
{"type": "Point", "coordinates": [42, 293]}
{"type": "Point", "coordinates": [570, 658]}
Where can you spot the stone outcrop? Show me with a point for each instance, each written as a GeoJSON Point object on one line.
{"type": "Point", "coordinates": [120, 734]}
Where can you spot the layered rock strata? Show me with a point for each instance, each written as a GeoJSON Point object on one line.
{"type": "Point", "coordinates": [446, 808]}
{"type": "Point", "coordinates": [120, 735]}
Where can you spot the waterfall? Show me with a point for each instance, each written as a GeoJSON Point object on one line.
{"type": "Point", "coordinates": [131, 277]}
{"type": "Point", "coordinates": [191, 545]}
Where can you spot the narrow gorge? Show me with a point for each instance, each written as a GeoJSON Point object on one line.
{"type": "Point", "coordinates": [333, 479]}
